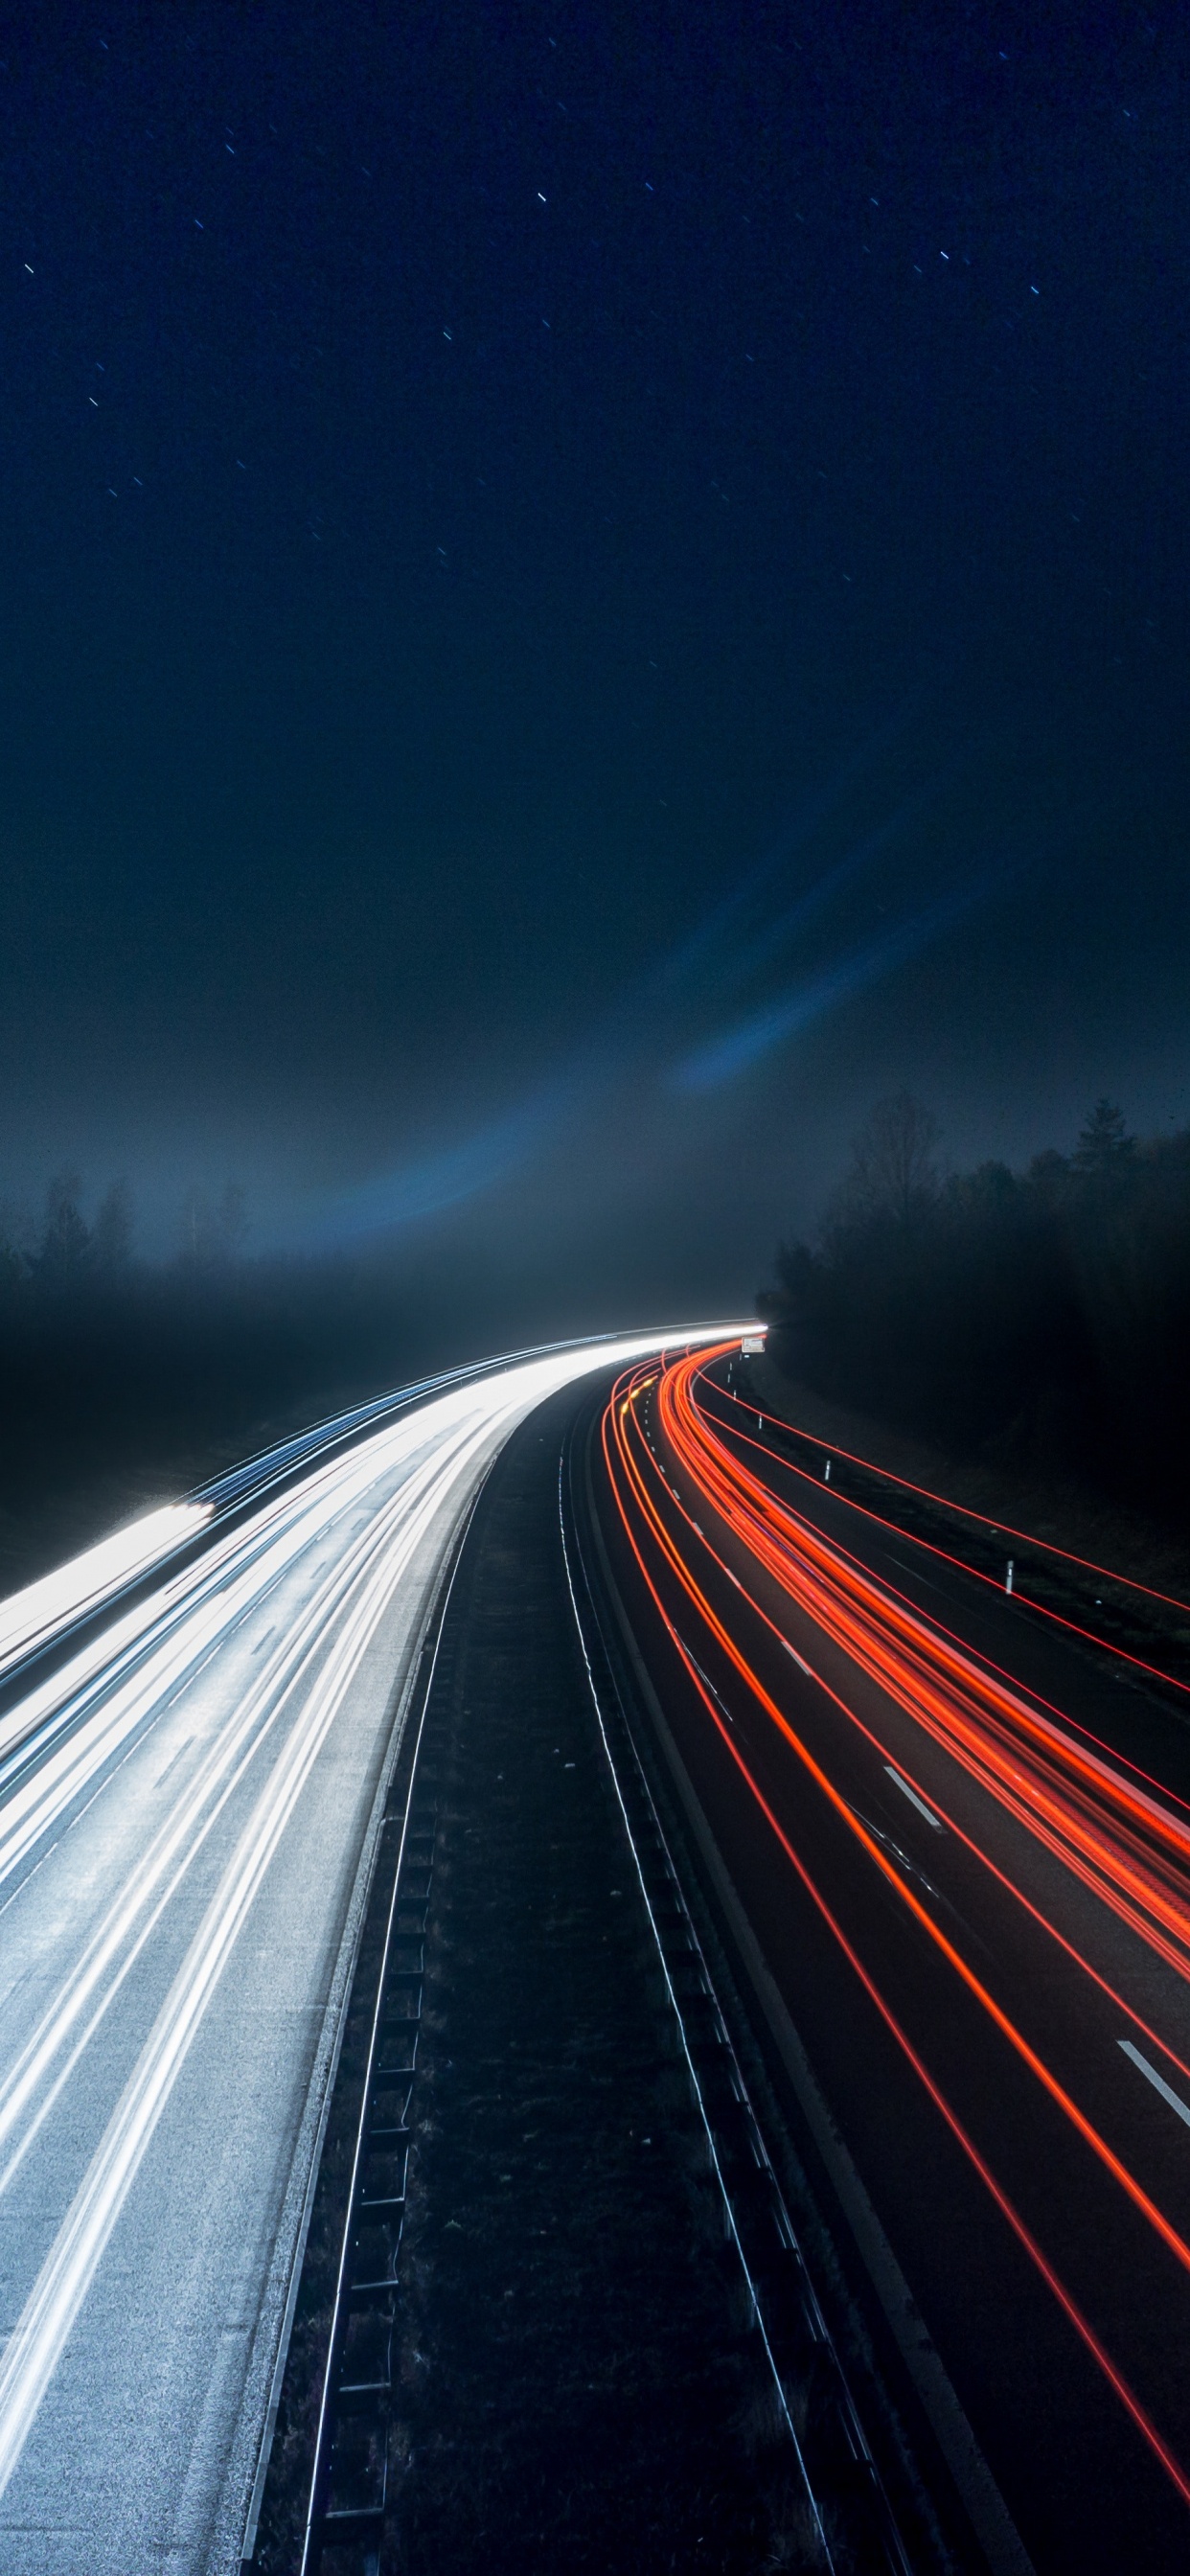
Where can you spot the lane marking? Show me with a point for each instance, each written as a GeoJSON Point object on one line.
{"type": "Point", "coordinates": [1158, 2082]}
{"type": "Point", "coordinates": [184, 1747]}
{"type": "Point", "coordinates": [915, 1574]}
{"type": "Point", "coordinates": [915, 1801]}
{"type": "Point", "coordinates": [17, 1891]}
{"type": "Point", "coordinates": [706, 1681]}
{"type": "Point", "coordinates": [798, 1659]}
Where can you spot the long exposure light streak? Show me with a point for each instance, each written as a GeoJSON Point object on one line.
{"type": "Point", "coordinates": [111, 1954]}
{"type": "Point", "coordinates": [1124, 1845]}
{"type": "Point", "coordinates": [34, 2349]}
{"type": "Point", "coordinates": [1063, 1792]}
{"type": "Point", "coordinates": [1175, 2243]}
{"type": "Point", "coordinates": [976, 1573]}
{"type": "Point", "coordinates": [29, 1616]}
{"type": "Point", "coordinates": [1173, 1957]}
{"type": "Point", "coordinates": [1098, 2350]}
{"type": "Point", "coordinates": [980, 1520]}
{"type": "Point", "coordinates": [264, 1667]}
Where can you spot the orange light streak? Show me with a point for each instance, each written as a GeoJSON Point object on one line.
{"type": "Point", "coordinates": [1057, 1618]}
{"type": "Point", "coordinates": [961, 1565]}
{"type": "Point", "coordinates": [1140, 2416]}
{"type": "Point", "coordinates": [1055, 1787]}
{"type": "Point", "coordinates": [1113, 2164]}
{"type": "Point", "coordinates": [1042, 1920]}
{"type": "Point", "coordinates": [1003, 1529]}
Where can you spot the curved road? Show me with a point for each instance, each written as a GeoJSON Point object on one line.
{"type": "Point", "coordinates": [187, 1798]}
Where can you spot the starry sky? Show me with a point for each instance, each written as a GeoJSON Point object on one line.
{"type": "Point", "coordinates": [586, 589]}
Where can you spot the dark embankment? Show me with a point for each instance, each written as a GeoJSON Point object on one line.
{"type": "Point", "coordinates": [115, 1393]}
{"type": "Point", "coordinates": [125, 1381]}
{"type": "Point", "coordinates": [1036, 1321]}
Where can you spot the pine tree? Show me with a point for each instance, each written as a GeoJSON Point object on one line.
{"type": "Point", "coordinates": [1104, 1142]}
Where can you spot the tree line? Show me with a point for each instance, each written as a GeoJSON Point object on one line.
{"type": "Point", "coordinates": [1039, 1318]}
{"type": "Point", "coordinates": [123, 1378]}
{"type": "Point", "coordinates": [64, 1255]}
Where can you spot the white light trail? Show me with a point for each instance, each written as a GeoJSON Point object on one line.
{"type": "Point", "coordinates": [28, 1617]}
{"type": "Point", "coordinates": [356, 1525]}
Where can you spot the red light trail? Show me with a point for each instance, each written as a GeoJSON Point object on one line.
{"type": "Point", "coordinates": [1121, 1840]}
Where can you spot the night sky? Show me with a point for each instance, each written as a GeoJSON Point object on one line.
{"type": "Point", "coordinates": [585, 591]}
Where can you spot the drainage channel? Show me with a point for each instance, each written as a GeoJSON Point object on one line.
{"type": "Point", "coordinates": [350, 2486]}
{"type": "Point", "coordinates": [322, 2485]}
{"type": "Point", "coordinates": [349, 2490]}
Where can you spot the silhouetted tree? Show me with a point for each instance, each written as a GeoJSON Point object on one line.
{"type": "Point", "coordinates": [1049, 1172]}
{"type": "Point", "coordinates": [1104, 1142]}
{"type": "Point", "coordinates": [892, 1172]}
{"type": "Point", "coordinates": [61, 1257]}
{"type": "Point", "coordinates": [1045, 1314]}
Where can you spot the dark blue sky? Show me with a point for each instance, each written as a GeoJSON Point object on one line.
{"type": "Point", "coordinates": [585, 589]}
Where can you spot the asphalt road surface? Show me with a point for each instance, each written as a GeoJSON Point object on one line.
{"type": "Point", "coordinates": [960, 1838]}
{"type": "Point", "coordinates": [186, 1799]}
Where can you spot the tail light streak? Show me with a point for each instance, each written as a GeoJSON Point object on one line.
{"type": "Point", "coordinates": [976, 1573]}
{"type": "Point", "coordinates": [1056, 1787]}
{"type": "Point", "coordinates": [1049, 1783]}
{"type": "Point", "coordinates": [1006, 1529]}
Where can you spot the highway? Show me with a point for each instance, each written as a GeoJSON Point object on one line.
{"type": "Point", "coordinates": [194, 1743]}
{"type": "Point", "coordinates": [958, 1839]}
